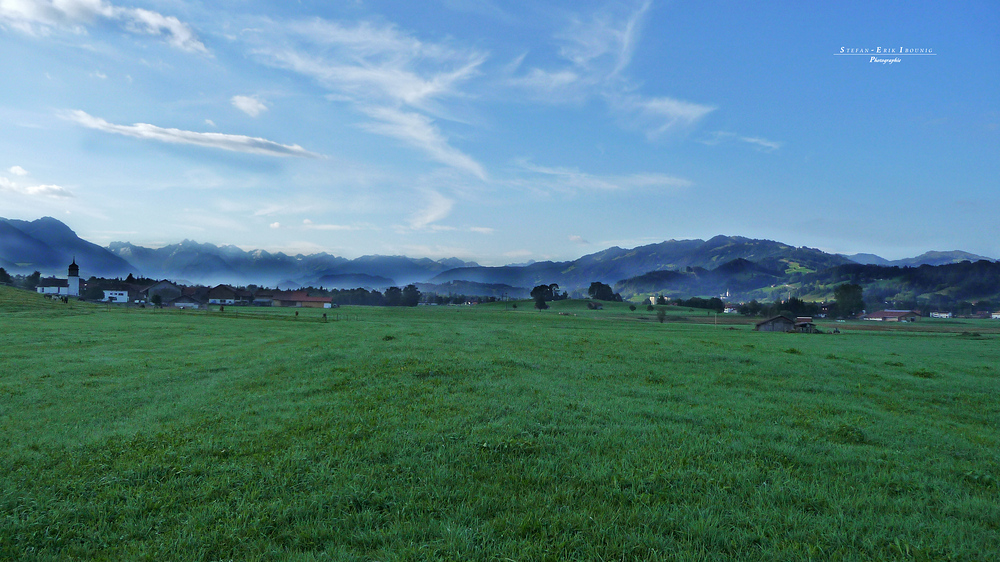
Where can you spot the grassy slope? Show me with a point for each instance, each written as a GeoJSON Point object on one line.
{"type": "Point", "coordinates": [474, 433]}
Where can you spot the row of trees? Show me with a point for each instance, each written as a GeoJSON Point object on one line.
{"type": "Point", "coordinates": [393, 296]}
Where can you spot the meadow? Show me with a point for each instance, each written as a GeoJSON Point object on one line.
{"type": "Point", "coordinates": [485, 433]}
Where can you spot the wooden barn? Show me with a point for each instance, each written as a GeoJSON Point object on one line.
{"type": "Point", "coordinates": [776, 324]}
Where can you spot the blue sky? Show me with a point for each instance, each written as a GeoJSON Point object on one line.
{"type": "Point", "coordinates": [503, 131]}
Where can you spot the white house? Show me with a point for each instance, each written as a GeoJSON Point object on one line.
{"type": "Point", "coordinates": [115, 296]}
{"type": "Point", "coordinates": [941, 315]}
{"type": "Point", "coordinates": [995, 316]}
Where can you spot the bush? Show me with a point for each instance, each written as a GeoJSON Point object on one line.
{"type": "Point", "coordinates": [661, 315]}
{"type": "Point", "coordinates": [631, 307]}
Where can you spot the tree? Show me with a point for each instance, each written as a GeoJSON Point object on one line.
{"type": "Point", "coordinates": [544, 291]}
{"type": "Point", "coordinates": [411, 295]}
{"type": "Point", "coordinates": [540, 302]}
{"type": "Point", "coordinates": [4, 276]}
{"type": "Point", "coordinates": [393, 296]}
{"type": "Point", "coordinates": [31, 282]}
{"type": "Point", "coordinates": [157, 301]}
{"type": "Point", "coordinates": [850, 299]}
{"type": "Point", "coordinates": [752, 308]}
{"type": "Point", "coordinates": [602, 292]}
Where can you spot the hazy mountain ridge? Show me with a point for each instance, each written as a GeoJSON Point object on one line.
{"type": "Point", "coordinates": [926, 258]}
{"type": "Point", "coordinates": [735, 264]}
{"type": "Point", "coordinates": [616, 264]}
{"type": "Point", "coordinates": [48, 245]}
{"type": "Point", "coordinates": [210, 264]}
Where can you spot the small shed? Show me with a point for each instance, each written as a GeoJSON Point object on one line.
{"type": "Point", "coordinates": [805, 327]}
{"type": "Point", "coordinates": [185, 301]}
{"type": "Point", "coordinates": [776, 324]}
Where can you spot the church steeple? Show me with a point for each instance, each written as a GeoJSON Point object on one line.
{"type": "Point", "coordinates": [74, 270]}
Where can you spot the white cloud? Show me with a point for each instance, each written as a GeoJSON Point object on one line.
{"type": "Point", "coordinates": [482, 229]}
{"type": "Point", "coordinates": [597, 50]}
{"type": "Point", "coordinates": [38, 17]}
{"type": "Point", "coordinates": [438, 207]}
{"type": "Point", "coordinates": [658, 115]}
{"type": "Point", "coordinates": [333, 227]}
{"type": "Point", "coordinates": [210, 123]}
{"type": "Point", "coordinates": [18, 171]}
{"type": "Point", "coordinates": [236, 143]}
{"type": "Point", "coordinates": [434, 252]}
{"type": "Point", "coordinates": [34, 190]}
{"type": "Point", "coordinates": [375, 63]}
{"type": "Point", "coordinates": [99, 74]}
{"type": "Point", "coordinates": [570, 179]}
{"type": "Point", "coordinates": [419, 131]}
{"type": "Point", "coordinates": [576, 238]}
{"type": "Point", "coordinates": [249, 105]}
{"type": "Point", "coordinates": [546, 82]}
{"type": "Point", "coordinates": [718, 137]}
{"type": "Point", "coordinates": [605, 39]}
{"type": "Point", "coordinates": [762, 143]}
{"type": "Point", "coordinates": [275, 225]}
{"type": "Point", "coordinates": [392, 77]}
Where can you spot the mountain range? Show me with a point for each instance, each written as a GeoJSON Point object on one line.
{"type": "Point", "coordinates": [722, 263]}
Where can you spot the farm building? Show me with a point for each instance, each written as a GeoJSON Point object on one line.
{"type": "Point", "coordinates": [300, 299]}
{"type": "Point", "coordinates": [805, 327]}
{"type": "Point", "coordinates": [995, 316]}
{"type": "Point", "coordinates": [185, 301]}
{"type": "Point", "coordinates": [224, 294]}
{"type": "Point", "coordinates": [776, 324]}
{"type": "Point", "coordinates": [893, 316]}
{"type": "Point", "coordinates": [167, 291]}
{"type": "Point", "coordinates": [264, 297]}
{"type": "Point", "coordinates": [941, 315]}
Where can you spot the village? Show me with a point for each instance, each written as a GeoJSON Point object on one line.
{"type": "Point", "coordinates": [167, 294]}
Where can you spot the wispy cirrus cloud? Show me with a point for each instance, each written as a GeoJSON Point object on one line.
{"type": "Point", "coordinates": [419, 130]}
{"type": "Point", "coordinates": [571, 179]}
{"type": "Point", "coordinates": [437, 208]}
{"type": "Point", "coordinates": [310, 225]}
{"type": "Point", "coordinates": [235, 143]}
{"type": "Point", "coordinates": [603, 42]}
{"type": "Point", "coordinates": [390, 76]}
{"type": "Point", "coordinates": [659, 115]}
{"type": "Point", "coordinates": [762, 143]}
{"type": "Point", "coordinates": [39, 17]}
{"type": "Point", "coordinates": [597, 50]}
{"type": "Point", "coordinates": [720, 137]}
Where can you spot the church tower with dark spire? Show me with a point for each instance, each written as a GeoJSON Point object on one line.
{"type": "Point", "coordinates": [73, 279]}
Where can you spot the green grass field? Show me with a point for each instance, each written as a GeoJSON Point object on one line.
{"type": "Point", "coordinates": [475, 433]}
